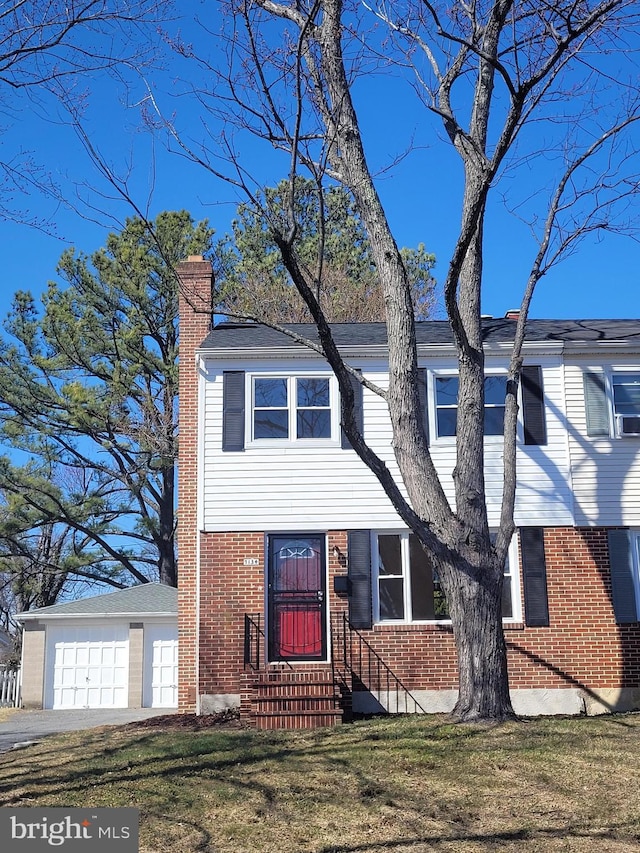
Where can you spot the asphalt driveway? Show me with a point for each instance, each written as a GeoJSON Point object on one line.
{"type": "Point", "coordinates": [22, 727]}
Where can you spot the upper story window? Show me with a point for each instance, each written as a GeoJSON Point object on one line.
{"type": "Point", "coordinates": [408, 586]}
{"type": "Point", "coordinates": [291, 408]}
{"type": "Point", "coordinates": [612, 399]}
{"type": "Point", "coordinates": [626, 402]}
{"type": "Point", "coordinates": [446, 394]}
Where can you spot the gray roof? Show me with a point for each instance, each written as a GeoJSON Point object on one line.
{"type": "Point", "coordinates": [146, 599]}
{"type": "Point", "coordinates": [250, 335]}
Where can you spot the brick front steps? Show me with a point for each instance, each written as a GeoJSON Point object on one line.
{"type": "Point", "coordinates": [291, 699]}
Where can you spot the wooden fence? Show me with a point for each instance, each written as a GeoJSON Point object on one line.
{"type": "Point", "coordinates": [9, 687]}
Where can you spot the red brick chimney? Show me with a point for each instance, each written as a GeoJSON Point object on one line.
{"type": "Point", "coordinates": [195, 307]}
{"type": "Point", "coordinates": [512, 314]}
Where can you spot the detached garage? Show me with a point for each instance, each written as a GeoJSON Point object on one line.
{"type": "Point", "coordinates": [118, 650]}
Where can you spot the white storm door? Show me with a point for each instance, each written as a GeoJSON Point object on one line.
{"type": "Point", "coordinates": [90, 666]}
{"type": "Point", "coordinates": [161, 666]}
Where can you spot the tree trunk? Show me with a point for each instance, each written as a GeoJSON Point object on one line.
{"type": "Point", "coordinates": [475, 605]}
{"type": "Point", "coordinates": [165, 540]}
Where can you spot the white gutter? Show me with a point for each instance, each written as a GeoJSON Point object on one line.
{"type": "Point", "coordinates": [41, 614]}
{"type": "Point", "coordinates": [378, 351]}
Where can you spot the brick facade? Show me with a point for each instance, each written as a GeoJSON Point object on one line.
{"type": "Point", "coordinates": [582, 648]}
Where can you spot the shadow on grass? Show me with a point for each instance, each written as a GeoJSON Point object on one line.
{"type": "Point", "coordinates": [273, 773]}
{"type": "Point", "coordinates": [156, 755]}
{"type": "Point", "coordinates": [617, 832]}
{"type": "Point", "coordinates": [186, 755]}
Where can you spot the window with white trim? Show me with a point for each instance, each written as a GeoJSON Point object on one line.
{"type": "Point", "coordinates": [634, 539]}
{"type": "Point", "coordinates": [292, 408]}
{"type": "Point", "coordinates": [625, 389]}
{"type": "Point", "coordinates": [407, 585]}
{"type": "Point", "coordinates": [446, 403]}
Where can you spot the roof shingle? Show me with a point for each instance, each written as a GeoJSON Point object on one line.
{"type": "Point", "coordinates": [251, 335]}
{"type": "Point", "coordinates": [144, 599]}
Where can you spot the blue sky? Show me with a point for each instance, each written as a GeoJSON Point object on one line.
{"type": "Point", "coordinates": [421, 194]}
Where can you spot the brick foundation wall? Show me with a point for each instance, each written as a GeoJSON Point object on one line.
{"type": "Point", "coordinates": [582, 648]}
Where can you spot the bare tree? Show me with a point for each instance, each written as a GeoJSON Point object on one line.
{"type": "Point", "coordinates": [50, 47]}
{"type": "Point", "coordinates": [489, 74]}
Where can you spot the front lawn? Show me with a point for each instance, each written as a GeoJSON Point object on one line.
{"type": "Point", "coordinates": [395, 785]}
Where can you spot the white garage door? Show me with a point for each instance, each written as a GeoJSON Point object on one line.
{"type": "Point", "coordinates": [88, 667]}
{"type": "Point", "coordinates": [161, 666]}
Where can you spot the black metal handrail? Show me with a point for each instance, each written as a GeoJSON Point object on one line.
{"type": "Point", "coordinates": [253, 638]}
{"type": "Point", "coordinates": [366, 668]}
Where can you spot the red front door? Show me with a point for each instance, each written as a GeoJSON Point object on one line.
{"type": "Point", "coordinates": [297, 598]}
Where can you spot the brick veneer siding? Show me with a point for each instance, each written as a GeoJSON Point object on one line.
{"type": "Point", "coordinates": [582, 648]}
{"type": "Point", "coordinates": [194, 302]}
{"type": "Point", "coordinates": [228, 590]}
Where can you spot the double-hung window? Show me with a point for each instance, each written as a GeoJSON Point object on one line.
{"type": "Point", "coordinates": [446, 388]}
{"type": "Point", "coordinates": [291, 408]}
{"type": "Point", "coordinates": [408, 586]}
{"type": "Point", "coordinates": [626, 402]}
{"type": "Point", "coordinates": [614, 394]}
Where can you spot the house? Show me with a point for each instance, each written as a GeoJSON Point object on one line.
{"type": "Point", "coordinates": [116, 650]}
{"type": "Point", "coordinates": [302, 593]}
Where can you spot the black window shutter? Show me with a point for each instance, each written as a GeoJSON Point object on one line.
{"type": "Point", "coordinates": [422, 393]}
{"type": "Point", "coordinates": [233, 410]}
{"type": "Point", "coordinates": [357, 411]}
{"type": "Point", "coordinates": [596, 405]}
{"type": "Point", "coordinates": [622, 588]}
{"type": "Point", "coordinates": [533, 415]}
{"type": "Point", "coordinates": [359, 569]}
{"type": "Point", "coordinates": [534, 577]}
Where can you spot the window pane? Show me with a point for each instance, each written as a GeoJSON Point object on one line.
{"type": "Point", "coordinates": [389, 557]}
{"type": "Point", "coordinates": [507, 605]}
{"type": "Point", "coordinates": [314, 423]}
{"type": "Point", "coordinates": [440, 607]}
{"type": "Point", "coordinates": [494, 420]}
{"type": "Point", "coordinates": [447, 419]}
{"type": "Point", "coordinates": [271, 423]}
{"type": "Point", "coordinates": [391, 598]}
{"type": "Point", "coordinates": [270, 392]}
{"type": "Point", "coordinates": [507, 609]}
{"type": "Point", "coordinates": [626, 394]}
{"type": "Point", "coordinates": [313, 392]}
{"type": "Point", "coordinates": [495, 388]}
{"type": "Point", "coordinates": [421, 581]}
{"type": "Point", "coordinates": [297, 564]}
{"type": "Point", "coordinates": [447, 390]}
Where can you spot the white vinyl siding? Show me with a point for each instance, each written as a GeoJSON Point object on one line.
{"type": "Point", "coordinates": [605, 469]}
{"type": "Point", "coordinates": [298, 487]}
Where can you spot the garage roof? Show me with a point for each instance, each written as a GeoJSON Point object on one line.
{"type": "Point", "coordinates": [149, 599]}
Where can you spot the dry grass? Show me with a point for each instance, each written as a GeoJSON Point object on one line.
{"type": "Point", "coordinates": [5, 713]}
{"type": "Point", "coordinates": [385, 786]}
